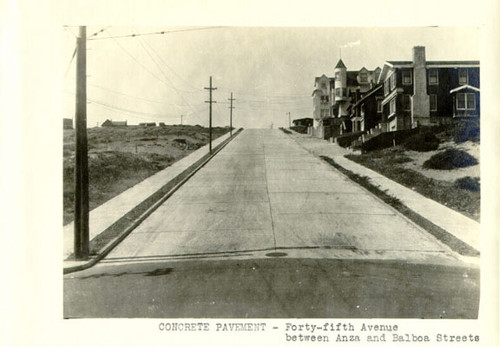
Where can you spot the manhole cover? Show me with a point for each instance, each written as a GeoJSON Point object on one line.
{"type": "Point", "coordinates": [276, 254]}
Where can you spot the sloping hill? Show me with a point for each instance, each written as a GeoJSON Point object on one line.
{"type": "Point", "coordinates": [121, 157]}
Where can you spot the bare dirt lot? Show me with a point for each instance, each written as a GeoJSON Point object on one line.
{"type": "Point", "coordinates": [120, 157]}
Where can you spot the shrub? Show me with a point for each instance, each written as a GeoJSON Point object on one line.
{"type": "Point", "coordinates": [450, 159]}
{"type": "Point", "coordinates": [466, 131]}
{"type": "Point", "coordinates": [468, 183]}
{"type": "Point", "coordinates": [422, 142]}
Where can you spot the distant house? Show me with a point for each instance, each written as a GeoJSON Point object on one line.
{"type": "Point", "coordinates": [111, 123]}
{"type": "Point", "coordinates": [147, 124]}
{"type": "Point", "coordinates": [67, 123]}
{"type": "Point", "coordinates": [421, 92]}
{"type": "Point", "coordinates": [306, 122]}
{"type": "Point", "coordinates": [162, 124]}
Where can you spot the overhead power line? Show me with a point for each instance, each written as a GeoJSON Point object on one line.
{"type": "Point", "coordinates": [165, 75]}
{"type": "Point", "coordinates": [155, 33]}
{"type": "Point", "coordinates": [171, 70]}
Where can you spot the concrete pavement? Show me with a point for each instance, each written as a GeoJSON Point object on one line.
{"type": "Point", "coordinates": [266, 192]}
{"type": "Point", "coordinates": [266, 229]}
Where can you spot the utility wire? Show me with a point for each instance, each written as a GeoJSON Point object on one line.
{"type": "Point", "coordinates": [164, 75]}
{"type": "Point", "coordinates": [69, 64]}
{"type": "Point", "coordinates": [98, 32]}
{"type": "Point", "coordinates": [156, 33]}
{"type": "Point", "coordinates": [162, 116]}
{"type": "Point", "coordinates": [172, 70]}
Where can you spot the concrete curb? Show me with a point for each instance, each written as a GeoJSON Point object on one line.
{"type": "Point", "coordinates": [150, 205]}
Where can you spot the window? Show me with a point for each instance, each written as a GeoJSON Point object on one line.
{"type": "Point", "coordinates": [340, 92]}
{"type": "Point", "coordinates": [363, 77]}
{"type": "Point", "coordinates": [471, 101]}
{"type": "Point", "coordinates": [337, 75]}
{"type": "Point", "coordinates": [461, 101]}
{"type": "Point", "coordinates": [379, 106]}
{"type": "Point", "coordinates": [466, 101]}
{"type": "Point", "coordinates": [324, 99]}
{"type": "Point", "coordinates": [393, 80]}
{"type": "Point", "coordinates": [406, 102]}
{"type": "Point", "coordinates": [387, 88]}
{"type": "Point", "coordinates": [407, 77]}
{"type": "Point", "coordinates": [392, 106]}
{"type": "Point", "coordinates": [433, 76]}
{"type": "Point", "coordinates": [463, 76]}
{"type": "Point", "coordinates": [323, 85]}
{"type": "Point", "coordinates": [433, 102]}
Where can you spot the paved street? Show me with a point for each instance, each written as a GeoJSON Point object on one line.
{"type": "Point", "coordinates": [266, 229]}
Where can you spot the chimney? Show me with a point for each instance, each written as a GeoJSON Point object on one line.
{"type": "Point", "coordinates": [419, 56]}
{"type": "Point", "coordinates": [420, 100]}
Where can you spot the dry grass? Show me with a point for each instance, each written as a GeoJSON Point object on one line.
{"type": "Point", "coordinates": [119, 158]}
{"type": "Point", "coordinates": [394, 163]}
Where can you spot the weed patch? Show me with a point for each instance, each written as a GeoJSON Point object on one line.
{"type": "Point", "coordinates": [468, 183]}
{"type": "Point", "coordinates": [119, 158]}
{"type": "Point", "coordinates": [455, 196]}
{"type": "Point", "coordinates": [450, 159]}
{"type": "Point", "coordinates": [422, 142]}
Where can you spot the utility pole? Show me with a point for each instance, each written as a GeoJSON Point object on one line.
{"type": "Point", "coordinates": [81, 222]}
{"type": "Point", "coordinates": [289, 123]}
{"type": "Point", "coordinates": [210, 114]}
{"type": "Point", "coordinates": [181, 118]}
{"type": "Point", "coordinates": [231, 115]}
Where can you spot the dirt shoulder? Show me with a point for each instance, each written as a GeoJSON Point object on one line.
{"type": "Point", "coordinates": [121, 157]}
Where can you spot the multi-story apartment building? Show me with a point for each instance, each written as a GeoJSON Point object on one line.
{"type": "Point", "coordinates": [332, 96]}
{"type": "Point", "coordinates": [421, 92]}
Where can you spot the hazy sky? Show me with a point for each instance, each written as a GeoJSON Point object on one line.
{"type": "Point", "coordinates": [269, 70]}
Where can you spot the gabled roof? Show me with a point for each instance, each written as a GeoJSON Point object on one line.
{"type": "Point", "coordinates": [368, 94]}
{"type": "Point", "coordinates": [316, 79]}
{"type": "Point", "coordinates": [340, 65]}
{"type": "Point", "coordinates": [465, 86]}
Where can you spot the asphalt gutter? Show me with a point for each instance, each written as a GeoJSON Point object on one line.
{"type": "Point", "coordinates": [105, 240]}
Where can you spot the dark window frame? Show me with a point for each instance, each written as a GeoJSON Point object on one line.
{"type": "Point", "coordinates": [436, 81]}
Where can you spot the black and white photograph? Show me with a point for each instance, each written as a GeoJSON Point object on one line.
{"type": "Point", "coordinates": [249, 173]}
{"type": "Point", "coordinates": [238, 172]}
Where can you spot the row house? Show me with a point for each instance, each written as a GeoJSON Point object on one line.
{"type": "Point", "coordinates": [422, 92]}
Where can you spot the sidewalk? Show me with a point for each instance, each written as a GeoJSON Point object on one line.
{"type": "Point", "coordinates": [107, 214]}
{"type": "Point", "coordinates": [455, 223]}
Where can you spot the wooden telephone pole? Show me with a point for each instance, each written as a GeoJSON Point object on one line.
{"type": "Point", "coordinates": [81, 222]}
{"type": "Point", "coordinates": [210, 114]}
{"type": "Point", "coordinates": [231, 115]}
